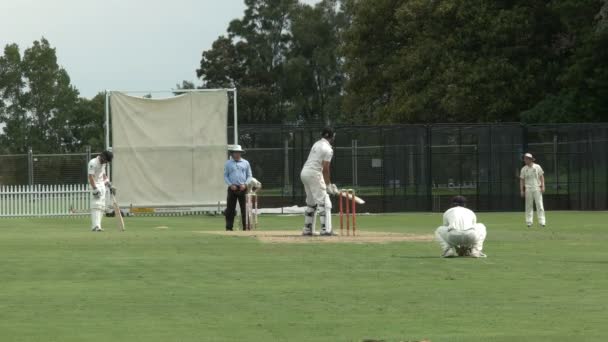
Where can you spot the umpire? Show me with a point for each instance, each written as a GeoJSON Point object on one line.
{"type": "Point", "coordinates": [237, 174]}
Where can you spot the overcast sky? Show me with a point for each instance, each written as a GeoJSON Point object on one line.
{"type": "Point", "coordinates": [121, 44]}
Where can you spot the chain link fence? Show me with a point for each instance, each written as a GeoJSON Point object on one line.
{"type": "Point", "coordinates": [400, 168]}
{"type": "Point", "coordinates": [420, 167]}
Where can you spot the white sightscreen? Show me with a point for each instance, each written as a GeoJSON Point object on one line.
{"type": "Point", "coordinates": [169, 151]}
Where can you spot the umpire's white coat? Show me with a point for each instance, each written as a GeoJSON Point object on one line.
{"type": "Point", "coordinates": [460, 228]}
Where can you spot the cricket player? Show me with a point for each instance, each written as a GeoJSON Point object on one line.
{"type": "Point", "coordinates": [532, 187]}
{"type": "Point", "coordinates": [237, 174]}
{"type": "Point", "coordinates": [460, 234]}
{"type": "Point", "coordinates": [100, 185]}
{"type": "Point", "coordinates": [317, 184]}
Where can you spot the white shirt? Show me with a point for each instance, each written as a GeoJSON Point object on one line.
{"type": "Point", "coordinates": [531, 176]}
{"type": "Point", "coordinates": [321, 151]}
{"type": "Point", "coordinates": [459, 218]}
{"type": "Point", "coordinates": [97, 170]}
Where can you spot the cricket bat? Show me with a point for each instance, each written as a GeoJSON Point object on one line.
{"type": "Point", "coordinates": [359, 200]}
{"type": "Point", "coordinates": [118, 214]}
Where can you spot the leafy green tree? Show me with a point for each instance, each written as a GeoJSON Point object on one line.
{"type": "Point", "coordinates": [314, 79]}
{"type": "Point", "coordinates": [283, 57]}
{"type": "Point", "coordinates": [449, 61]}
{"type": "Point", "coordinates": [39, 107]}
{"type": "Point", "coordinates": [582, 85]}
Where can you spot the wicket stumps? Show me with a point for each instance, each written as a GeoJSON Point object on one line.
{"type": "Point", "coordinates": [251, 208]}
{"type": "Point", "coordinates": [348, 209]}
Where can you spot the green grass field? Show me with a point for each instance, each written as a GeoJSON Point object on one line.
{"type": "Point", "coordinates": [61, 282]}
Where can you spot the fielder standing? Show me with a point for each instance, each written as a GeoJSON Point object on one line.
{"type": "Point", "coordinates": [532, 187]}
{"type": "Point", "coordinates": [317, 184]}
{"type": "Point", "coordinates": [460, 234]}
{"type": "Point", "coordinates": [100, 184]}
{"type": "Point", "coordinates": [237, 174]}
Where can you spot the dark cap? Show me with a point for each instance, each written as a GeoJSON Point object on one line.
{"type": "Point", "coordinates": [107, 156]}
{"type": "Point", "coordinates": [460, 201]}
{"type": "Point", "coordinates": [328, 132]}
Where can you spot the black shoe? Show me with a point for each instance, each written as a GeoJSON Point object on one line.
{"type": "Point", "coordinates": [228, 229]}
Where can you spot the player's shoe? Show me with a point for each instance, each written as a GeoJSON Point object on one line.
{"type": "Point", "coordinates": [99, 229]}
{"type": "Point", "coordinates": [478, 254]}
{"type": "Point", "coordinates": [529, 225]}
{"type": "Point", "coordinates": [307, 231]}
{"type": "Point", "coordinates": [543, 225]}
{"type": "Point", "coordinates": [449, 253]}
{"type": "Point", "coordinates": [325, 232]}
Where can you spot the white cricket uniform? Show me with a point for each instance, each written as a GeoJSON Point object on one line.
{"type": "Point", "coordinates": [314, 184]}
{"type": "Point", "coordinates": [460, 228]}
{"type": "Point", "coordinates": [531, 176]}
{"type": "Point", "coordinates": [98, 205]}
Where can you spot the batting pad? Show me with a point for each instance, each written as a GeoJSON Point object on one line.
{"type": "Point", "coordinates": [169, 151]}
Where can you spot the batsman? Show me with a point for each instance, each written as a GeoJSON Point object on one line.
{"type": "Point", "coordinates": [317, 184]}
{"type": "Point", "coordinates": [100, 184]}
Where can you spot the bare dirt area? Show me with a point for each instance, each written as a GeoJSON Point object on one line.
{"type": "Point", "coordinates": [290, 236]}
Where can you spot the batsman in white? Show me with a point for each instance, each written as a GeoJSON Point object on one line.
{"type": "Point", "coordinates": [532, 187]}
{"type": "Point", "coordinates": [460, 234]}
{"type": "Point", "coordinates": [317, 184]}
{"type": "Point", "coordinates": [100, 184]}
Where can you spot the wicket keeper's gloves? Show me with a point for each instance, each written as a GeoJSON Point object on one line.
{"type": "Point", "coordinates": [96, 193]}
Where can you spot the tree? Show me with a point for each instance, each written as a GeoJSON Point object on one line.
{"type": "Point", "coordinates": [449, 61]}
{"type": "Point", "coordinates": [582, 85]}
{"type": "Point", "coordinates": [283, 57]}
{"type": "Point", "coordinates": [39, 107]}
{"type": "Point", "coordinates": [313, 67]}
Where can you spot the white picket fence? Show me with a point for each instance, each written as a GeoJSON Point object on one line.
{"type": "Point", "coordinates": [44, 200]}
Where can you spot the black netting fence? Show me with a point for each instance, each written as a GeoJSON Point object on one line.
{"type": "Point", "coordinates": [420, 167]}
{"type": "Point", "coordinates": [401, 168]}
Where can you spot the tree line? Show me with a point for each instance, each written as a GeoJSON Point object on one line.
{"type": "Point", "coordinates": [356, 62]}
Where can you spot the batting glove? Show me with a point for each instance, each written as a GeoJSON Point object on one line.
{"type": "Point", "coordinates": [332, 189]}
{"type": "Point", "coordinates": [111, 188]}
{"type": "Point", "coordinates": [96, 193]}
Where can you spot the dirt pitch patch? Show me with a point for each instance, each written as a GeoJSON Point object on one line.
{"type": "Point", "coordinates": [290, 236]}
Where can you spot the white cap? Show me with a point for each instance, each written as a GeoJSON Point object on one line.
{"type": "Point", "coordinates": [529, 155]}
{"type": "Point", "coordinates": [235, 148]}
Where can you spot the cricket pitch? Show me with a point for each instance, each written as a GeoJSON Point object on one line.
{"type": "Point", "coordinates": [294, 236]}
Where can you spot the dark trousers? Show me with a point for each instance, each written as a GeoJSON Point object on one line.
{"type": "Point", "coordinates": [233, 196]}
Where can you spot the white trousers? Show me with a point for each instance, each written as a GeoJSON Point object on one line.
{"type": "Point", "coordinates": [98, 206]}
{"type": "Point", "coordinates": [316, 199]}
{"type": "Point", "coordinates": [535, 196]}
{"type": "Point", "coordinates": [472, 238]}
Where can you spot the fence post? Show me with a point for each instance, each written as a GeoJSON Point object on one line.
{"type": "Point", "coordinates": [286, 164]}
{"type": "Point", "coordinates": [429, 170]}
{"type": "Point", "coordinates": [353, 159]}
{"type": "Point", "coordinates": [30, 166]}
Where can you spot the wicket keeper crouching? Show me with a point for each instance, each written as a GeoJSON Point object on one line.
{"type": "Point", "coordinates": [237, 174]}
{"type": "Point", "coordinates": [460, 234]}
{"type": "Point", "coordinates": [315, 177]}
{"type": "Point", "coordinates": [100, 185]}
